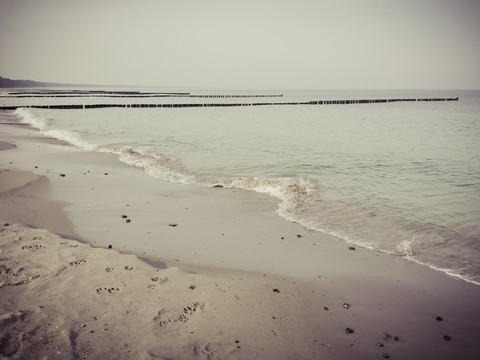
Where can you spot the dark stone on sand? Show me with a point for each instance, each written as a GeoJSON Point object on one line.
{"type": "Point", "coordinates": [6, 224]}
{"type": "Point", "coordinates": [276, 290]}
{"type": "Point", "coordinates": [218, 186]}
{"type": "Point", "coordinates": [380, 345]}
{"type": "Point", "coordinates": [349, 331]}
{"type": "Point", "coordinates": [192, 287]}
{"type": "Point", "coordinates": [128, 221]}
{"type": "Point", "coordinates": [346, 305]}
{"type": "Point", "coordinates": [447, 337]}
{"type": "Point", "coordinates": [299, 236]}
{"type": "Point", "coordinates": [36, 167]}
{"type": "Point", "coordinates": [282, 238]}
{"type": "Point", "coordinates": [439, 318]}
{"type": "Point", "coordinates": [106, 174]}
{"type": "Point", "coordinates": [325, 308]}
{"type": "Point", "coordinates": [396, 338]}
{"type": "Point", "coordinates": [124, 216]}
{"type": "Point", "coordinates": [388, 336]}
{"type": "Point", "coordinates": [386, 356]}
{"type": "Point", "coordinates": [109, 246]}
{"type": "Point", "coordinates": [62, 175]}
{"type": "Point", "coordinates": [172, 225]}
{"type": "Point", "coordinates": [352, 248]}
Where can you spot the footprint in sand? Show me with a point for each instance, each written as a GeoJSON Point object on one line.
{"type": "Point", "coordinates": [156, 281]}
{"type": "Point", "coordinates": [32, 247]}
{"type": "Point", "coordinates": [195, 308]}
{"type": "Point", "coordinates": [209, 351]}
{"type": "Point", "coordinates": [214, 350]}
{"type": "Point", "coordinates": [78, 262]}
{"type": "Point", "coordinates": [109, 290]}
{"type": "Point", "coordinates": [10, 341]}
{"type": "Point", "coordinates": [11, 277]}
{"type": "Point", "coordinates": [69, 244]}
{"type": "Point", "coordinates": [9, 345]}
{"type": "Point", "coordinates": [164, 320]}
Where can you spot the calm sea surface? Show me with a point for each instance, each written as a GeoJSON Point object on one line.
{"type": "Point", "coordinates": [402, 178]}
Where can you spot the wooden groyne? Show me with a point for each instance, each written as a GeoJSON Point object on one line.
{"type": "Point", "coordinates": [319, 102]}
{"type": "Point", "coordinates": [53, 93]}
{"type": "Point", "coordinates": [128, 94]}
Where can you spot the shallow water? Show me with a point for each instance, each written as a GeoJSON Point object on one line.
{"type": "Point", "coordinates": [402, 178]}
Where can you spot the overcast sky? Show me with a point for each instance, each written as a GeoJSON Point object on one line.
{"type": "Point", "coordinates": [322, 44]}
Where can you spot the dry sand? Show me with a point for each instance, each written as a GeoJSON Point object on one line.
{"type": "Point", "coordinates": [230, 281]}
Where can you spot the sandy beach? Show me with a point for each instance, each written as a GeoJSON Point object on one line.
{"type": "Point", "coordinates": [100, 261]}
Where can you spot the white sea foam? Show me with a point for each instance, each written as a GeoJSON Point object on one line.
{"type": "Point", "coordinates": [156, 165]}
{"type": "Point", "coordinates": [71, 138]}
{"type": "Point", "coordinates": [292, 192]}
{"type": "Point", "coordinates": [28, 118]}
{"type": "Point", "coordinates": [405, 248]}
{"type": "Point", "coordinates": [41, 124]}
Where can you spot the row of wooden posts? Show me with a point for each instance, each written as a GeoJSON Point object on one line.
{"type": "Point", "coordinates": [319, 102]}
{"type": "Point", "coordinates": [130, 95]}
{"type": "Point", "coordinates": [92, 92]}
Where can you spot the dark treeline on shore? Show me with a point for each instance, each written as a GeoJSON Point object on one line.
{"type": "Point", "coordinates": [9, 83]}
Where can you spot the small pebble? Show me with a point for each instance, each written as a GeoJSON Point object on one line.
{"type": "Point", "coordinates": [349, 331]}
{"type": "Point", "coordinates": [106, 173]}
{"type": "Point", "coordinates": [380, 345]}
{"type": "Point", "coordinates": [127, 221]}
{"type": "Point", "coordinates": [325, 308]}
{"type": "Point", "coordinates": [346, 305]}
{"type": "Point", "coordinates": [439, 318]}
{"type": "Point", "coordinates": [299, 236]}
{"type": "Point", "coordinates": [192, 287]}
{"type": "Point", "coordinates": [386, 356]}
{"type": "Point", "coordinates": [447, 337]}
{"type": "Point", "coordinates": [351, 248]}
{"type": "Point", "coordinates": [276, 290]}
{"type": "Point", "coordinates": [62, 175]}
{"type": "Point", "coordinates": [124, 216]}
{"type": "Point", "coordinates": [172, 225]}
{"type": "Point", "coordinates": [109, 246]}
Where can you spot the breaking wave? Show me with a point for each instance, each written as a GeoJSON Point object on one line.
{"type": "Point", "coordinates": [405, 248]}
{"type": "Point", "coordinates": [293, 192]}
{"type": "Point", "coordinates": [41, 124]}
{"type": "Point", "coordinates": [157, 166]}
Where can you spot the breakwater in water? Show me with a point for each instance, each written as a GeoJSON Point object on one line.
{"type": "Point", "coordinates": [127, 94]}
{"type": "Point", "coordinates": [315, 102]}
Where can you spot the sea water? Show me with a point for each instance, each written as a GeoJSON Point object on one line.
{"type": "Point", "coordinates": [401, 178]}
